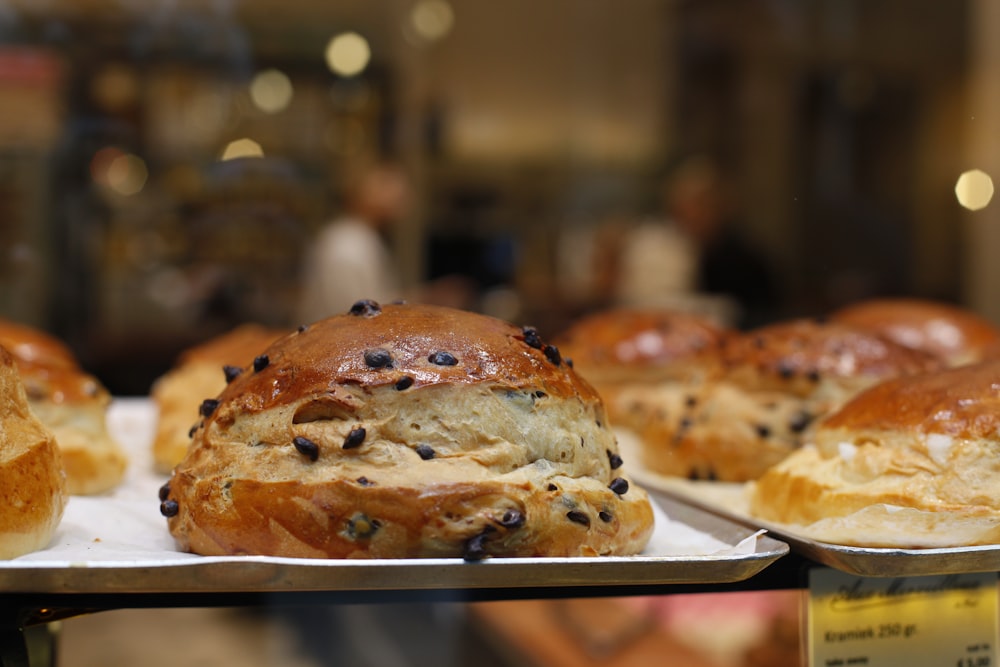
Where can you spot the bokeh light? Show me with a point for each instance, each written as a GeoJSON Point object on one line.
{"type": "Point", "coordinates": [241, 148]}
{"type": "Point", "coordinates": [974, 189]}
{"type": "Point", "coordinates": [120, 172]}
{"type": "Point", "coordinates": [347, 54]}
{"type": "Point", "coordinates": [271, 91]}
{"type": "Point", "coordinates": [127, 174]}
{"type": "Point", "coordinates": [432, 19]}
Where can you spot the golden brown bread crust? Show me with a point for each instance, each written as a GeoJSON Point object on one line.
{"type": "Point", "coordinates": [773, 383]}
{"type": "Point", "coordinates": [955, 334]}
{"type": "Point", "coordinates": [199, 374]}
{"type": "Point", "coordinates": [32, 481]}
{"type": "Point", "coordinates": [71, 403]}
{"type": "Point", "coordinates": [628, 345]}
{"type": "Point", "coordinates": [794, 355]}
{"type": "Point", "coordinates": [655, 354]}
{"type": "Point", "coordinates": [927, 443]}
{"type": "Point", "coordinates": [46, 364]}
{"type": "Point", "coordinates": [236, 347]}
{"type": "Point", "coordinates": [406, 431]}
{"type": "Point", "coordinates": [962, 403]}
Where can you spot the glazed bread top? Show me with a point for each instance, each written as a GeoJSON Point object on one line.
{"type": "Point", "coordinates": [948, 331]}
{"type": "Point", "coordinates": [797, 354]}
{"type": "Point", "coordinates": [401, 345]}
{"type": "Point", "coordinates": [961, 402]}
{"type": "Point", "coordinates": [406, 431]}
{"type": "Point", "coordinates": [624, 344]}
{"type": "Point", "coordinates": [234, 347]}
{"type": "Point", "coordinates": [47, 366]}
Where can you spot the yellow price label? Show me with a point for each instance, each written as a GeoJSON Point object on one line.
{"type": "Point", "coordinates": [944, 621]}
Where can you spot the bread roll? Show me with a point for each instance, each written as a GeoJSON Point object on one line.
{"type": "Point", "coordinates": [632, 345]}
{"type": "Point", "coordinates": [72, 404]}
{"type": "Point", "coordinates": [624, 346]}
{"type": "Point", "coordinates": [406, 431]}
{"type": "Point", "coordinates": [955, 334]}
{"type": "Point", "coordinates": [32, 481]}
{"type": "Point", "coordinates": [199, 372]}
{"type": "Point", "coordinates": [771, 383]}
{"type": "Point", "coordinates": [631, 352]}
{"type": "Point", "coordinates": [910, 462]}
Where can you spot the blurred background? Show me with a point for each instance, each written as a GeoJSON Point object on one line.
{"type": "Point", "coordinates": [167, 164]}
{"type": "Point", "coordinates": [170, 168]}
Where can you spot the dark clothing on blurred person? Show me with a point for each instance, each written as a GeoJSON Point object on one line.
{"type": "Point", "coordinates": [729, 265]}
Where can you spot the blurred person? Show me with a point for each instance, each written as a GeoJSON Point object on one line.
{"type": "Point", "coordinates": [695, 256]}
{"type": "Point", "coordinates": [350, 259]}
{"type": "Point", "coordinates": [700, 202]}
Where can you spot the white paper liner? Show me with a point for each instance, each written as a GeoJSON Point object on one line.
{"type": "Point", "coordinates": [125, 528]}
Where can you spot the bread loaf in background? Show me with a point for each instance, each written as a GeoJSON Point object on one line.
{"type": "Point", "coordinates": [631, 350]}
{"type": "Point", "coordinates": [951, 332]}
{"type": "Point", "coordinates": [758, 398]}
{"type": "Point", "coordinates": [910, 462]}
{"type": "Point", "coordinates": [70, 402]}
{"type": "Point", "coordinates": [32, 480]}
{"type": "Point", "coordinates": [199, 372]}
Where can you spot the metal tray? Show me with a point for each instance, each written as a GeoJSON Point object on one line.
{"type": "Point", "coordinates": [724, 500]}
{"type": "Point", "coordinates": [267, 574]}
{"type": "Point", "coordinates": [119, 544]}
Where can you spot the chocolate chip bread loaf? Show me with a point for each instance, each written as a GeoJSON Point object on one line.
{"type": "Point", "coordinates": [406, 431]}
{"type": "Point", "coordinates": [633, 350]}
{"type": "Point", "coordinates": [954, 334]}
{"type": "Point", "coordinates": [760, 397]}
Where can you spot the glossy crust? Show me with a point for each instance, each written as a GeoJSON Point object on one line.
{"type": "Point", "coordinates": [774, 383]}
{"type": "Point", "coordinates": [911, 462]}
{"type": "Point", "coordinates": [797, 356]}
{"type": "Point", "coordinates": [32, 481]}
{"type": "Point", "coordinates": [629, 345]}
{"type": "Point", "coordinates": [406, 431]}
{"type": "Point", "coordinates": [955, 334]}
{"type": "Point", "coordinates": [199, 374]}
{"type": "Point", "coordinates": [655, 354]}
{"type": "Point", "coordinates": [71, 403]}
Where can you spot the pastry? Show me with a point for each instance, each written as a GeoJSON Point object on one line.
{"type": "Point", "coordinates": [911, 462]}
{"type": "Point", "coordinates": [200, 372]}
{"type": "Point", "coordinates": [636, 347]}
{"type": "Point", "coordinates": [955, 334]}
{"type": "Point", "coordinates": [405, 431]}
{"type": "Point", "coordinates": [72, 403]}
{"type": "Point", "coordinates": [32, 481]}
{"type": "Point", "coordinates": [760, 397]}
